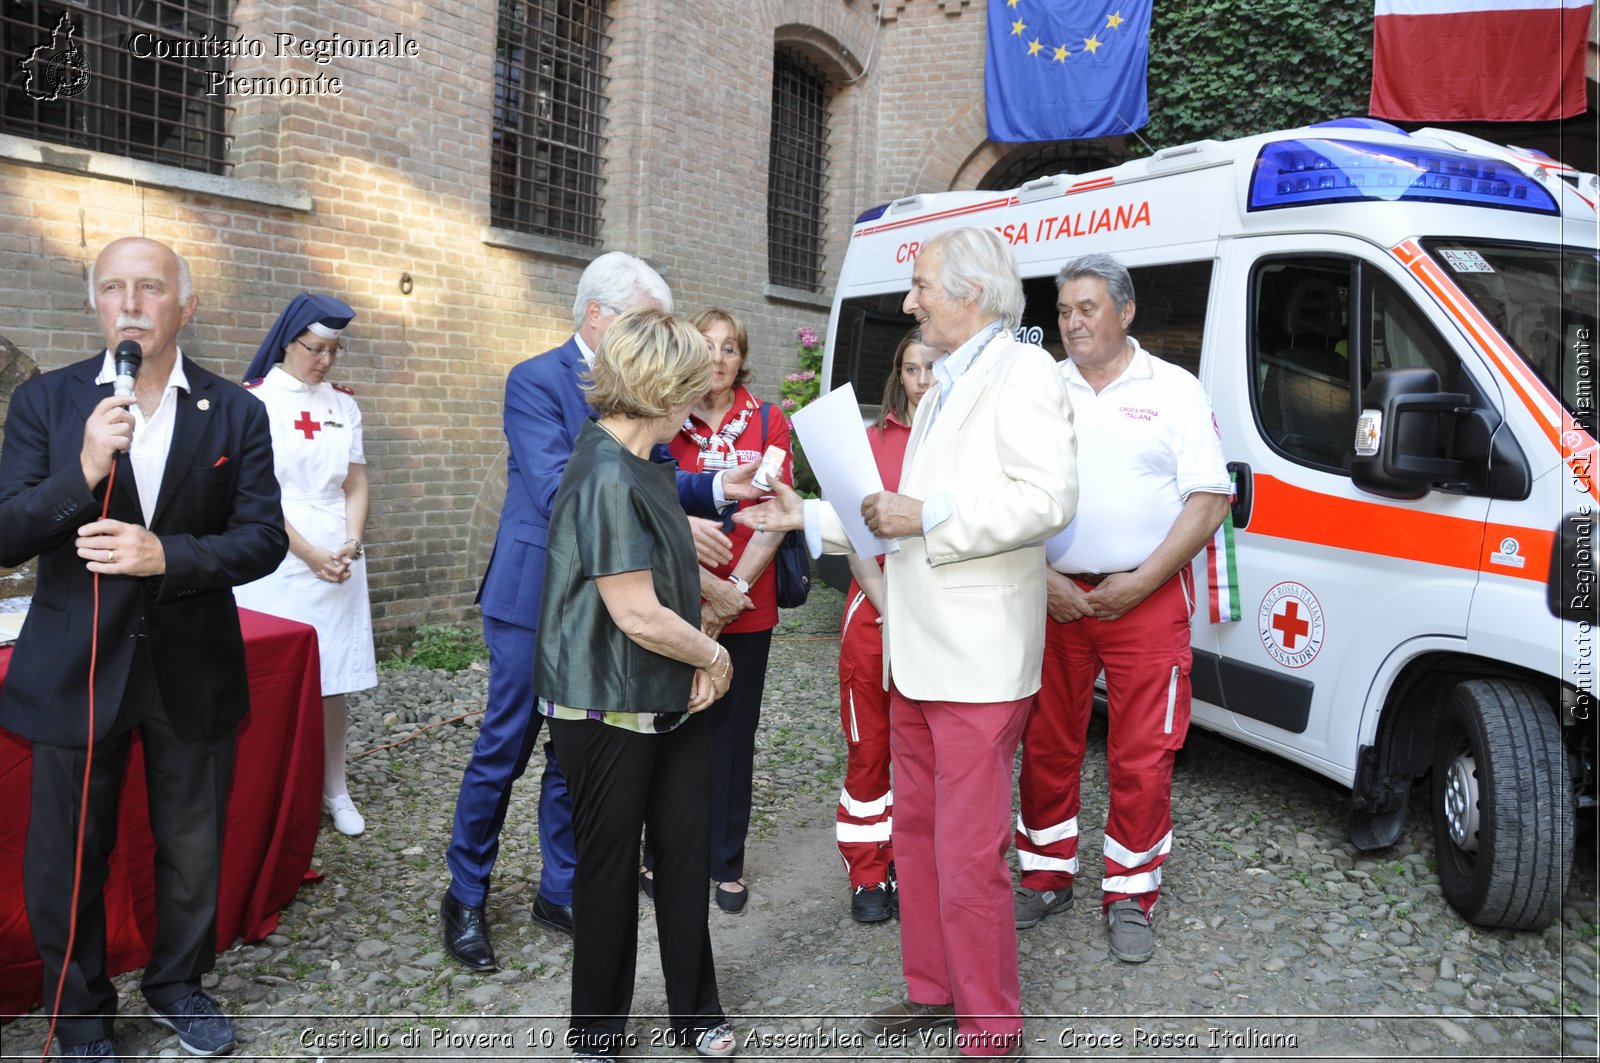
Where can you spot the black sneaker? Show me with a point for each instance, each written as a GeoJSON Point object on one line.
{"type": "Point", "coordinates": [201, 1027]}
{"type": "Point", "coordinates": [101, 1051]}
{"type": "Point", "coordinates": [870, 904]}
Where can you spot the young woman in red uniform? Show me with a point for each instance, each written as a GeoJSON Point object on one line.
{"type": "Point", "coordinates": [866, 802]}
{"type": "Point", "coordinates": [729, 427]}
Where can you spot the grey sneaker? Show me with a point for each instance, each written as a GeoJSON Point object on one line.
{"type": "Point", "coordinates": [1129, 927]}
{"type": "Point", "coordinates": [1034, 905]}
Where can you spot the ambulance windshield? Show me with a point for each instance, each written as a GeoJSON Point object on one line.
{"type": "Point", "coordinates": [1543, 300]}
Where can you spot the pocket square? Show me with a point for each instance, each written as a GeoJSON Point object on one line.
{"type": "Point", "coordinates": [220, 461]}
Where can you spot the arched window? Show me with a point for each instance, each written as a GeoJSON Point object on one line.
{"type": "Point", "coordinates": [798, 165]}
{"type": "Point", "coordinates": [1052, 157]}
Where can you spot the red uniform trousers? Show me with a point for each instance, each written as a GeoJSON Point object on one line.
{"type": "Point", "coordinates": [1146, 657]}
{"type": "Point", "coordinates": [958, 936]}
{"type": "Point", "coordinates": [865, 816]}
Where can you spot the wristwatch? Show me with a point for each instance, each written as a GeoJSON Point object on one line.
{"type": "Point", "coordinates": [740, 585]}
{"type": "Point", "coordinates": [360, 550]}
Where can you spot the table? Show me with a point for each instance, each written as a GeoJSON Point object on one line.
{"type": "Point", "coordinates": [273, 816]}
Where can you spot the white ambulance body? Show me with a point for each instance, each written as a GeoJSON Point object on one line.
{"type": "Point", "coordinates": [1424, 604]}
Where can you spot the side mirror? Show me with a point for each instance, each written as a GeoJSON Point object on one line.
{"type": "Point", "coordinates": [1403, 437]}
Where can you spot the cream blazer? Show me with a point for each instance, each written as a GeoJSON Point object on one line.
{"type": "Point", "coordinates": [966, 604]}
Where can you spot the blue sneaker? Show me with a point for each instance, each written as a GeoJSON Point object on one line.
{"type": "Point", "coordinates": [201, 1027]}
{"type": "Point", "coordinates": [101, 1051]}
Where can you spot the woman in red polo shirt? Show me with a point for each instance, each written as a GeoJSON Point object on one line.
{"type": "Point", "coordinates": [729, 427]}
{"type": "Point", "coordinates": [866, 801]}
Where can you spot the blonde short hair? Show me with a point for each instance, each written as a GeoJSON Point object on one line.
{"type": "Point", "coordinates": [650, 364]}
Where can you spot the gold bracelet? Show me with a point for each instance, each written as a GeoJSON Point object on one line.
{"type": "Point", "coordinates": [727, 668]}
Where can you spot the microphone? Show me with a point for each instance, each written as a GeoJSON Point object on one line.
{"type": "Point", "coordinates": [126, 359]}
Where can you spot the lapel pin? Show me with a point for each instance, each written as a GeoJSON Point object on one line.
{"type": "Point", "coordinates": [203, 404]}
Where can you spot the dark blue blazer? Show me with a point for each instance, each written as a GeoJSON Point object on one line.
{"type": "Point", "coordinates": [545, 408]}
{"type": "Point", "coordinates": [220, 525]}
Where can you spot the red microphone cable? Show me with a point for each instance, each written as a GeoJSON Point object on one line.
{"type": "Point", "coordinates": [83, 800]}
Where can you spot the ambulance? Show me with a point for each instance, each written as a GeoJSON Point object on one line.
{"type": "Point", "coordinates": [1397, 335]}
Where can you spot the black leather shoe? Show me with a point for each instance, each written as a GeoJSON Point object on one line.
{"type": "Point", "coordinates": [870, 904]}
{"type": "Point", "coordinates": [555, 916]}
{"type": "Point", "coordinates": [466, 933]}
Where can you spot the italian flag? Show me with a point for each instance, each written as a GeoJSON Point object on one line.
{"type": "Point", "coordinates": [1222, 574]}
{"type": "Point", "coordinates": [1479, 60]}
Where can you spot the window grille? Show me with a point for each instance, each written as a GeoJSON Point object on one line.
{"type": "Point", "coordinates": [135, 78]}
{"type": "Point", "coordinates": [549, 96]}
{"type": "Point", "coordinates": [795, 175]}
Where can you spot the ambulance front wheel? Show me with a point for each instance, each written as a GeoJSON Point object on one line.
{"type": "Point", "coordinates": [1502, 805]}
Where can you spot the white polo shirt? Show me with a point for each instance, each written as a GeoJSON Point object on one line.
{"type": "Point", "coordinates": [1145, 443]}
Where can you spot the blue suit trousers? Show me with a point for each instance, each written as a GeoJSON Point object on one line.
{"type": "Point", "coordinates": [506, 738]}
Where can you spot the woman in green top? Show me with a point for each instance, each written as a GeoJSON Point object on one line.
{"type": "Point", "coordinates": [622, 671]}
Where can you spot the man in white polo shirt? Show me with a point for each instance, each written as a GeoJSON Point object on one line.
{"type": "Point", "coordinates": [1153, 488]}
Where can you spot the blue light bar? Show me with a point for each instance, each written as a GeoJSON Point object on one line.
{"type": "Point", "coordinates": [872, 213]}
{"type": "Point", "coordinates": [1300, 173]}
{"type": "Point", "coordinates": [1360, 122]}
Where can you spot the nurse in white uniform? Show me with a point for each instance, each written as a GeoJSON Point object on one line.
{"type": "Point", "coordinates": [317, 454]}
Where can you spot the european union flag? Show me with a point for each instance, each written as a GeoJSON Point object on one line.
{"type": "Point", "coordinates": [1067, 69]}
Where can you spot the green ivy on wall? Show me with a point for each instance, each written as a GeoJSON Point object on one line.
{"type": "Point", "coordinates": [1229, 68]}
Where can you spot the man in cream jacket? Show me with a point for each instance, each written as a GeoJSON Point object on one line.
{"type": "Point", "coordinates": [989, 474]}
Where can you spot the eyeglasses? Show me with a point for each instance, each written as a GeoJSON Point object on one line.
{"type": "Point", "coordinates": [322, 352]}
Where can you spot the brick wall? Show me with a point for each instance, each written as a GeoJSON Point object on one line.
{"type": "Point", "coordinates": [392, 177]}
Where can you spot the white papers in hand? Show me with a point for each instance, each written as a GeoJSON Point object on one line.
{"type": "Point", "coordinates": [836, 446]}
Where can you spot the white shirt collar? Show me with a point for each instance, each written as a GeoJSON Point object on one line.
{"type": "Point", "coordinates": [286, 380]}
{"type": "Point", "coordinates": [583, 349]}
{"type": "Point", "coordinates": [1139, 367]}
{"type": "Point", "coordinates": [176, 378]}
{"type": "Point", "coordinates": [948, 370]}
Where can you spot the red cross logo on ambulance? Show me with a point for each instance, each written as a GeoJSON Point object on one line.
{"type": "Point", "coordinates": [1290, 625]}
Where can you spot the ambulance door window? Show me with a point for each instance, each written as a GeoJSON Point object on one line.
{"type": "Point", "coordinates": [1039, 315]}
{"type": "Point", "coordinates": [1170, 310]}
{"type": "Point", "coordinates": [1169, 317]}
{"type": "Point", "coordinates": [1305, 327]}
{"type": "Point", "coordinates": [870, 328]}
{"type": "Point", "coordinates": [1300, 344]}
{"type": "Point", "coordinates": [1397, 336]}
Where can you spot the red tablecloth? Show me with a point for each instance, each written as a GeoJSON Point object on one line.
{"type": "Point", "coordinates": [273, 816]}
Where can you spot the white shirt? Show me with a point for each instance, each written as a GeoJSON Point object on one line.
{"type": "Point", "coordinates": [152, 439]}
{"type": "Point", "coordinates": [1145, 443]}
{"type": "Point", "coordinates": [948, 370]}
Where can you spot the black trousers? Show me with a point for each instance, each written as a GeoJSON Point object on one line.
{"type": "Point", "coordinates": [621, 782]}
{"type": "Point", "coordinates": [188, 784]}
{"type": "Point", "coordinates": [733, 719]}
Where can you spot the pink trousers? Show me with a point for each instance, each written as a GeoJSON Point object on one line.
{"type": "Point", "coordinates": [958, 938]}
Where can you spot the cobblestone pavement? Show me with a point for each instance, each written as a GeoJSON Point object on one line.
{"type": "Point", "coordinates": [1275, 938]}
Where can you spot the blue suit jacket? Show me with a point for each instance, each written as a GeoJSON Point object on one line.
{"type": "Point", "coordinates": [544, 411]}
{"type": "Point", "coordinates": [220, 524]}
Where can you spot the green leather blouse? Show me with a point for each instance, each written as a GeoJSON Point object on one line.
{"type": "Point", "coordinates": [614, 512]}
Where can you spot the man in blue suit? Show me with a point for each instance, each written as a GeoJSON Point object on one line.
{"type": "Point", "coordinates": [544, 409]}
